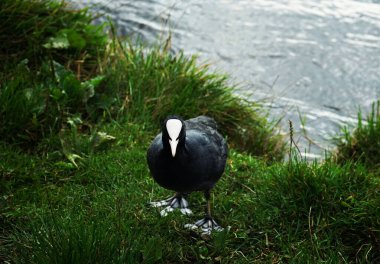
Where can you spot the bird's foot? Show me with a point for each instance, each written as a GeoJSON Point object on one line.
{"type": "Point", "coordinates": [174, 202]}
{"type": "Point", "coordinates": [205, 225]}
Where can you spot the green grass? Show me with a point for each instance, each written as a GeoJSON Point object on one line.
{"type": "Point", "coordinates": [155, 84]}
{"type": "Point", "coordinates": [43, 88]}
{"type": "Point", "coordinates": [40, 30]}
{"type": "Point", "coordinates": [50, 58]}
{"type": "Point", "coordinates": [363, 143]}
{"type": "Point", "coordinates": [97, 213]}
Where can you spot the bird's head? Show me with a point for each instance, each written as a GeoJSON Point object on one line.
{"type": "Point", "coordinates": [173, 132]}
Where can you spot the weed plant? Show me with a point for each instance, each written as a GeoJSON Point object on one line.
{"type": "Point", "coordinates": [34, 106]}
{"type": "Point", "coordinates": [49, 56]}
{"type": "Point", "coordinates": [37, 31]}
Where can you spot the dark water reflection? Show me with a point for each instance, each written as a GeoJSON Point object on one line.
{"type": "Point", "coordinates": [317, 58]}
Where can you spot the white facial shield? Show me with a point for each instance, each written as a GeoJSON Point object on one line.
{"type": "Point", "coordinates": [174, 127]}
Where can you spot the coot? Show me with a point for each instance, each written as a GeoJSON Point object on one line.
{"type": "Point", "coordinates": [188, 156]}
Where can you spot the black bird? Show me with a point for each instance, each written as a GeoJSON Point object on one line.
{"type": "Point", "coordinates": [188, 156]}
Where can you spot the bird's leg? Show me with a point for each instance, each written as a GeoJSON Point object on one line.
{"type": "Point", "coordinates": [176, 201]}
{"type": "Point", "coordinates": [208, 205]}
{"type": "Point", "coordinates": [207, 224]}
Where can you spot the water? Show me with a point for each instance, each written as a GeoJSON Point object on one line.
{"type": "Point", "coordinates": [316, 62]}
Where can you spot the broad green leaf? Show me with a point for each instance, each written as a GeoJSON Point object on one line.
{"type": "Point", "coordinates": [58, 42]}
{"type": "Point", "coordinates": [64, 39]}
{"type": "Point", "coordinates": [75, 39]}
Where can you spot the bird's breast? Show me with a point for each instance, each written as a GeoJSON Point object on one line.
{"type": "Point", "coordinates": [179, 174]}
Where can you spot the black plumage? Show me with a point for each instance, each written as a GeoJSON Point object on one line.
{"type": "Point", "coordinates": [197, 163]}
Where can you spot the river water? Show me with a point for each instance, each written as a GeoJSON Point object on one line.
{"type": "Point", "coordinates": [314, 62]}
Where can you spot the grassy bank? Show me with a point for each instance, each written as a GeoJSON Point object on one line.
{"type": "Point", "coordinates": [70, 70]}
{"type": "Point", "coordinates": [78, 110]}
{"type": "Point", "coordinates": [97, 213]}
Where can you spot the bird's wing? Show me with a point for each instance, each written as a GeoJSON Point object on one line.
{"type": "Point", "coordinates": [201, 121]}
{"type": "Point", "coordinates": [208, 126]}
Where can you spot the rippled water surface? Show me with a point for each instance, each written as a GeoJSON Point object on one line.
{"type": "Point", "coordinates": [318, 58]}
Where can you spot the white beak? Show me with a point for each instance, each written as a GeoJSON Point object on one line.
{"type": "Point", "coordinates": [174, 127]}
{"type": "Point", "coordinates": [173, 146]}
